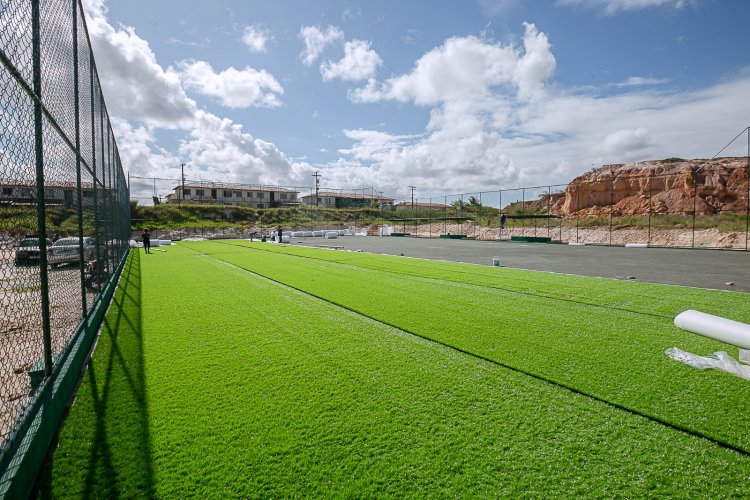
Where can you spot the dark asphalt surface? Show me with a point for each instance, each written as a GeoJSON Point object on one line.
{"type": "Point", "coordinates": [697, 268]}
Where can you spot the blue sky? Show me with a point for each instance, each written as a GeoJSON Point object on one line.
{"type": "Point", "coordinates": [449, 97]}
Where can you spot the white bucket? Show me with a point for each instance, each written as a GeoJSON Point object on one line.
{"type": "Point", "coordinates": [496, 261]}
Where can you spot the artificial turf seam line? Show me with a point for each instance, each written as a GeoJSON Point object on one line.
{"type": "Point", "coordinates": [491, 287]}
{"type": "Point", "coordinates": [542, 378]}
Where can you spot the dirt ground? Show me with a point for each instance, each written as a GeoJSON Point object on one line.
{"type": "Point", "coordinates": [21, 340]}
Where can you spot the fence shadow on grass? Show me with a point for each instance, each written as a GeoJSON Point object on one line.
{"type": "Point", "coordinates": [106, 452]}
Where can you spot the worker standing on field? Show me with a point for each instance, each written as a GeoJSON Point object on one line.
{"type": "Point", "coordinates": [279, 238]}
{"type": "Point", "coordinates": [146, 240]}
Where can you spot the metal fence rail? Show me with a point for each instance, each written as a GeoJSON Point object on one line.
{"type": "Point", "coordinates": [706, 206]}
{"type": "Point", "coordinates": [64, 211]}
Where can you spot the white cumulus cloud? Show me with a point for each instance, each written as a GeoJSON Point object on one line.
{"type": "Point", "coordinates": [626, 143]}
{"type": "Point", "coordinates": [316, 41]}
{"type": "Point", "coordinates": [360, 62]}
{"type": "Point", "coordinates": [255, 38]}
{"type": "Point", "coordinates": [232, 87]}
{"type": "Point", "coordinates": [124, 62]}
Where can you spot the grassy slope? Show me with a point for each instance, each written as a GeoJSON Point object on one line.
{"type": "Point", "coordinates": [613, 353]}
{"type": "Point", "coordinates": [253, 389]}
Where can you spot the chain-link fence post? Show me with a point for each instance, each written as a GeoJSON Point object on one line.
{"type": "Point", "coordinates": [40, 206]}
{"type": "Point", "coordinates": [79, 204]}
{"type": "Point", "coordinates": [695, 205]}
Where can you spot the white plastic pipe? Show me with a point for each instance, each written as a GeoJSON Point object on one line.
{"type": "Point", "coordinates": [715, 327]}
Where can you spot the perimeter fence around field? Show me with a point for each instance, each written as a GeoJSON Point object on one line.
{"type": "Point", "coordinates": [679, 204]}
{"type": "Point", "coordinates": [64, 223]}
{"type": "Point", "coordinates": [693, 206]}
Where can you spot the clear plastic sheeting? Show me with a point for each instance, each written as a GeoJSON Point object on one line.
{"type": "Point", "coordinates": [717, 361]}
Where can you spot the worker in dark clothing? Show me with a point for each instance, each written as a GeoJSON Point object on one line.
{"type": "Point", "coordinates": [146, 240]}
{"type": "Point", "coordinates": [278, 240]}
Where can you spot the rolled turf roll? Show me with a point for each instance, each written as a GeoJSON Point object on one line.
{"type": "Point", "coordinates": [715, 327]}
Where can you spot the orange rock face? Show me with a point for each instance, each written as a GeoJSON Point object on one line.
{"type": "Point", "coordinates": [672, 186]}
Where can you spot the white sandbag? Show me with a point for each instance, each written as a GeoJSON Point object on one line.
{"type": "Point", "coordinates": [286, 233]}
{"type": "Point", "coordinates": [165, 243]}
{"type": "Point", "coordinates": [285, 238]}
{"type": "Point", "coordinates": [715, 327]}
{"type": "Point", "coordinates": [318, 234]}
{"type": "Point", "coordinates": [154, 243]}
{"type": "Point", "coordinates": [298, 234]}
{"type": "Point", "coordinates": [330, 235]}
{"type": "Point", "coordinates": [636, 245]}
{"type": "Point", "coordinates": [308, 234]}
{"type": "Point", "coordinates": [135, 244]}
{"type": "Point", "coordinates": [342, 232]}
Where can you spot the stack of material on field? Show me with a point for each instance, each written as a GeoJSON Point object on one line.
{"type": "Point", "coordinates": [665, 186]}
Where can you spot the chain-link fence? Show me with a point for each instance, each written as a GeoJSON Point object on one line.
{"type": "Point", "coordinates": [64, 212]}
{"type": "Point", "coordinates": [677, 203]}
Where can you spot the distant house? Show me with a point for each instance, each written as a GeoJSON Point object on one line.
{"type": "Point", "coordinates": [60, 193]}
{"type": "Point", "coordinates": [330, 199]}
{"type": "Point", "coordinates": [407, 205]}
{"type": "Point", "coordinates": [223, 193]}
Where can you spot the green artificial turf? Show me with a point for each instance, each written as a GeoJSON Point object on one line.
{"type": "Point", "coordinates": [212, 381]}
{"type": "Point", "coordinates": [600, 337]}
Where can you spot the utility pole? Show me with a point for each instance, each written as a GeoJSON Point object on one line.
{"type": "Point", "coordinates": [317, 186]}
{"type": "Point", "coordinates": [412, 197]}
{"type": "Point", "coordinates": [182, 193]}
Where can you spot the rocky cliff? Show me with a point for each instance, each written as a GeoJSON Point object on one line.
{"type": "Point", "coordinates": [672, 186]}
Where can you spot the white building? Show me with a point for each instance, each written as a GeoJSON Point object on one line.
{"type": "Point", "coordinates": [330, 199]}
{"type": "Point", "coordinates": [223, 193]}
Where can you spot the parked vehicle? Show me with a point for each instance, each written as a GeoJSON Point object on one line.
{"type": "Point", "coordinates": [27, 251]}
{"type": "Point", "coordinates": [65, 251]}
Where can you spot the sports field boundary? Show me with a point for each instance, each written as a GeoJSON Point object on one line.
{"type": "Point", "coordinates": [697, 434]}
